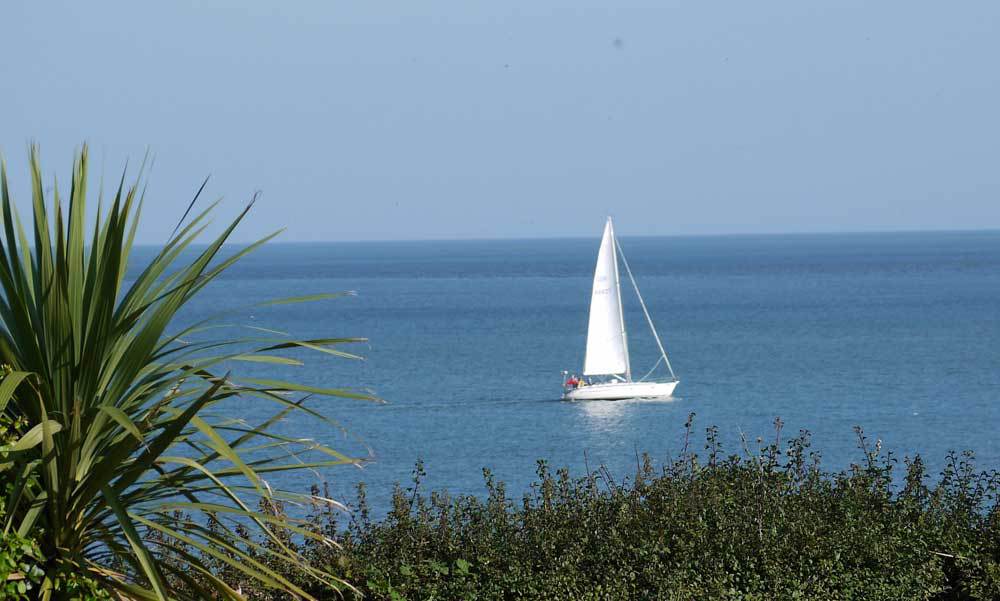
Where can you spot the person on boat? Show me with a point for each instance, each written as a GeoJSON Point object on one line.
{"type": "Point", "coordinates": [572, 382]}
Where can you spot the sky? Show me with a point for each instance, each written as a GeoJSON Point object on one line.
{"type": "Point", "coordinates": [441, 119]}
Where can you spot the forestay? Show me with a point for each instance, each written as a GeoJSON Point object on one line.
{"type": "Point", "coordinates": [607, 348]}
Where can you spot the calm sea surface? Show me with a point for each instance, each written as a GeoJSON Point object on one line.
{"type": "Point", "coordinates": [898, 333]}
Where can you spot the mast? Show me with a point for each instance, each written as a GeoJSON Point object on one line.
{"type": "Point", "coordinates": [645, 312]}
{"type": "Point", "coordinates": [618, 286]}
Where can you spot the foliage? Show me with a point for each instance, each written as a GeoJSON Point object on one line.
{"type": "Point", "coordinates": [118, 419]}
{"type": "Point", "coordinates": [20, 573]}
{"type": "Point", "coordinates": [767, 523]}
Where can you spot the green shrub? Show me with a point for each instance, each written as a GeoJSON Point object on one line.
{"type": "Point", "coordinates": [20, 573]}
{"type": "Point", "coordinates": [766, 523]}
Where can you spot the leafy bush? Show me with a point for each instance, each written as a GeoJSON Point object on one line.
{"type": "Point", "coordinates": [767, 523]}
{"type": "Point", "coordinates": [20, 573]}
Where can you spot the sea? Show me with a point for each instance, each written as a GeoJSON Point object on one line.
{"type": "Point", "coordinates": [467, 341]}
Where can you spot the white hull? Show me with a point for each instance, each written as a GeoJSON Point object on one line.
{"type": "Point", "coordinates": [615, 391]}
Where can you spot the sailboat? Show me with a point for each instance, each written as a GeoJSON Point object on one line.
{"type": "Point", "coordinates": [607, 372]}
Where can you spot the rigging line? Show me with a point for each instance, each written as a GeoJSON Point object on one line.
{"type": "Point", "coordinates": [655, 365]}
{"type": "Point", "coordinates": [649, 319]}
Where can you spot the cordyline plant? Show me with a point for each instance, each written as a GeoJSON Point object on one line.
{"type": "Point", "coordinates": [124, 469]}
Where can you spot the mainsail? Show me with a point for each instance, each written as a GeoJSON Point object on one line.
{"type": "Point", "coordinates": [607, 349]}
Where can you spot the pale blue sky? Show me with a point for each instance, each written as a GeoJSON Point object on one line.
{"type": "Point", "coordinates": [402, 119]}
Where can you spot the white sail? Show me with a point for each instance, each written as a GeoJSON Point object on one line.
{"type": "Point", "coordinates": [607, 349]}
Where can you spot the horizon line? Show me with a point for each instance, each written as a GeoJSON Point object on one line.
{"type": "Point", "coordinates": [776, 234]}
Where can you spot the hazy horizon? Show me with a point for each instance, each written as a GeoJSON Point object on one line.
{"type": "Point", "coordinates": [457, 120]}
{"type": "Point", "coordinates": [623, 235]}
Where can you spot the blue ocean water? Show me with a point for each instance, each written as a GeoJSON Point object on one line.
{"type": "Point", "coordinates": [897, 333]}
